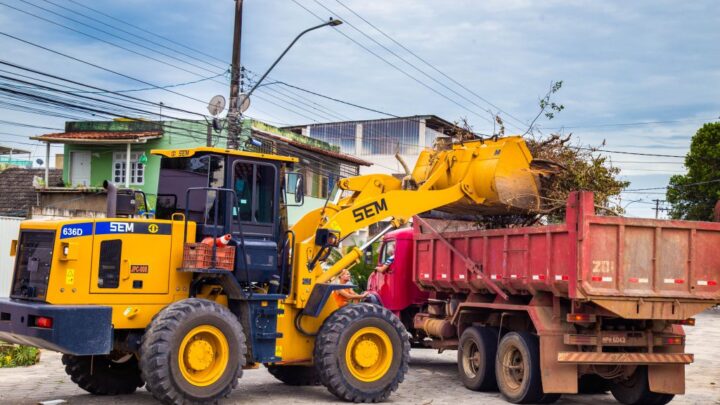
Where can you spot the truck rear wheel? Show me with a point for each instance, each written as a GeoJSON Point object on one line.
{"type": "Point", "coordinates": [517, 368]}
{"type": "Point", "coordinates": [192, 352]}
{"type": "Point", "coordinates": [593, 384]}
{"type": "Point", "coordinates": [362, 353]}
{"type": "Point", "coordinates": [636, 390]}
{"type": "Point", "coordinates": [295, 375]}
{"type": "Point", "coordinates": [103, 375]}
{"type": "Point", "coordinates": [476, 358]}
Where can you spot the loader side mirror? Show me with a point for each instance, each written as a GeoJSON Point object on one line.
{"type": "Point", "coordinates": [295, 186]}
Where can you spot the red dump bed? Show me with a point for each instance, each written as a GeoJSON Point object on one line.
{"type": "Point", "coordinates": [589, 256]}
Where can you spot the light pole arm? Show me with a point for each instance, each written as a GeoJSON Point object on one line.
{"type": "Point", "coordinates": [332, 22]}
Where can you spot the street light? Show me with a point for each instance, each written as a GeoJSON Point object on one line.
{"type": "Point", "coordinates": [332, 23]}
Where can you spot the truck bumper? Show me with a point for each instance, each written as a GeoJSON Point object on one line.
{"type": "Point", "coordinates": [624, 358]}
{"type": "Point", "coordinates": [78, 329]}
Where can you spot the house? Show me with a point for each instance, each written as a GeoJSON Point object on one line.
{"type": "Point", "coordinates": [378, 140]}
{"type": "Point", "coordinates": [11, 157]}
{"type": "Point", "coordinates": [120, 151]}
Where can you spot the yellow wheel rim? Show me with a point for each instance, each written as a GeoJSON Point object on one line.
{"type": "Point", "coordinates": [203, 355]}
{"type": "Point", "coordinates": [369, 354]}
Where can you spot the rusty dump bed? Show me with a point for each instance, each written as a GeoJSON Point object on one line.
{"type": "Point", "coordinates": [639, 268]}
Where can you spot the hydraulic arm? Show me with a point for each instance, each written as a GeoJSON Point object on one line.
{"type": "Point", "coordinates": [473, 177]}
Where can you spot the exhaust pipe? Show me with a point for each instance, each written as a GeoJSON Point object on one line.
{"type": "Point", "coordinates": [110, 211]}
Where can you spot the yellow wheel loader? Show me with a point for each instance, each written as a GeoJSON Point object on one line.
{"type": "Point", "coordinates": [168, 303]}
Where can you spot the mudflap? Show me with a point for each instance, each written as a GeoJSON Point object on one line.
{"type": "Point", "coordinates": [557, 378]}
{"type": "Point", "coordinates": [667, 378]}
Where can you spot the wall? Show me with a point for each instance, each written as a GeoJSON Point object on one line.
{"type": "Point", "coordinates": [10, 229]}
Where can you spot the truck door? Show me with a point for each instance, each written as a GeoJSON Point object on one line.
{"type": "Point", "coordinates": [131, 257]}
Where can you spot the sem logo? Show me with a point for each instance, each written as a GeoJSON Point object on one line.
{"type": "Point", "coordinates": [369, 210]}
{"type": "Point", "coordinates": [153, 228]}
{"type": "Point", "coordinates": [121, 227]}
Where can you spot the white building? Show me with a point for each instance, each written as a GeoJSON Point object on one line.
{"type": "Point", "coordinates": [378, 140]}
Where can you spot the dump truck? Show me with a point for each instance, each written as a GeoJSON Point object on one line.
{"type": "Point", "coordinates": [134, 300]}
{"type": "Point", "coordinates": [597, 303]}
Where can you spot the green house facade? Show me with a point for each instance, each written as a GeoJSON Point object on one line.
{"type": "Point", "coordinates": [119, 151]}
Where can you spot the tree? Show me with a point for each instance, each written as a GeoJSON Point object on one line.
{"type": "Point", "coordinates": [693, 195]}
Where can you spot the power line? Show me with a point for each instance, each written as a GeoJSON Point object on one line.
{"type": "Point", "coordinates": [399, 69]}
{"type": "Point", "coordinates": [21, 124]}
{"type": "Point", "coordinates": [108, 42]}
{"type": "Point", "coordinates": [677, 186]}
{"type": "Point", "coordinates": [100, 67]}
{"type": "Point", "coordinates": [146, 31]}
{"type": "Point", "coordinates": [628, 153]}
{"type": "Point", "coordinates": [138, 36]}
{"type": "Point", "coordinates": [622, 124]}
{"type": "Point", "coordinates": [430, 64]}
{"type": "Point", "coordinates": [412, 65]}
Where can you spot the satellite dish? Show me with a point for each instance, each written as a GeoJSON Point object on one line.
{"type": "Point", "coordinates": [39, 161]}
{"type": "Point", "coordinates": [243, 102]}
{"type": "Point", "coordinates": [216, 105]}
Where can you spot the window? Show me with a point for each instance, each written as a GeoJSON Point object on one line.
{"type": "Point", "coordinates": [179, 174]}
{"type": "Point", "coordinates": [388, 251]}
{"type": "Point", "coordinates": [137, 170]}
{"type": "Point", "coordinates": [109, 267]}
{"type": "Point", "coordinates": [254, 186]}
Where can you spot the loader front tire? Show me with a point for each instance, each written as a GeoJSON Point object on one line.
{"type": "Point", "coordinates": [362, 353]}
{"type": "Point", "coordinates": [192, 352]}
{"type": "Point", "coordinates": [102, 375]}
{"type": "Point", "coordinates": [295, 375]}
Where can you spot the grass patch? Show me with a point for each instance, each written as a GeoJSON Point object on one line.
{"type": "Point", "coordinates": [18, 356]}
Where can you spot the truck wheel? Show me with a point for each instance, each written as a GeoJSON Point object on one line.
{"type": "Point", "coordinates": [517, 368]}
{"type": "Point", "coordinates": [295, 375]}
{"type": "Point", "coordinates": [101, 375]}
{"type": "Point", "coordinates": [362, 353]}
{"type": "Point", "coordinates": [636, 390]}
{"type": "Point", "coordinates": [192, 352]}
{"type": "Point", "coordinates": [593, 384]}
{"type": "Point", "coordinates": [476, 358]}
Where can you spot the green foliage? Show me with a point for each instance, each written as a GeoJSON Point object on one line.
{"type": "Point", "coordinates": [580, 170]}
{"type": "Point", "coordinates": [361, 271]}
{"type": "Point", "coordinates": [552, 107]}
{"type": "Point", "coordinates": [690, 200]}
{"type": "Point", "coordinates": [18, 356]}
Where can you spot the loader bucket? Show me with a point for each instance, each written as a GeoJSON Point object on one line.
{"type": "Point", "coordinates": [495, 176]}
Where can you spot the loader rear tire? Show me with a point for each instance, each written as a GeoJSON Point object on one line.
{"type": "Point", "coordinates": [362, 352]}
{"type": "Point", "coordinates": [476, 358]}
{"type": "Point", "coordinates": [100, 375]}
{"type": "Point", "coordinates": [636, 390]}
{"type": "Point", "coordinates": [192, 353]}
{"type": "Point", "coordinates": [295, 375]}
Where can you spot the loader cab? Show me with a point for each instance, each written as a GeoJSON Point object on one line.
{"type": "Point", "coordinates": [230, 192]}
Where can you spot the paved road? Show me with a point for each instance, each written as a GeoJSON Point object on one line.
{"type": "Point", "coordinates": [432, 380]}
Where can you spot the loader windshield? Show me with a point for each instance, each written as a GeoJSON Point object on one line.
{"type": "Point", "coordinates": [179, 174]}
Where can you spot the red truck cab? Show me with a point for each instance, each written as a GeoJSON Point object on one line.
{"type": "Point", "coordinates": [395, 289]}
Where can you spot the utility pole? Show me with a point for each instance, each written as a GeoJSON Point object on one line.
{"type": "Point", "coordinates": [233, 116]}
{"type": "Point", "coordinates": [657, 208]}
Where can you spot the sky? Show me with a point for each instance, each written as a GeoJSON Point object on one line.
{"type": "Point", "coordinates": [641, 76]}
